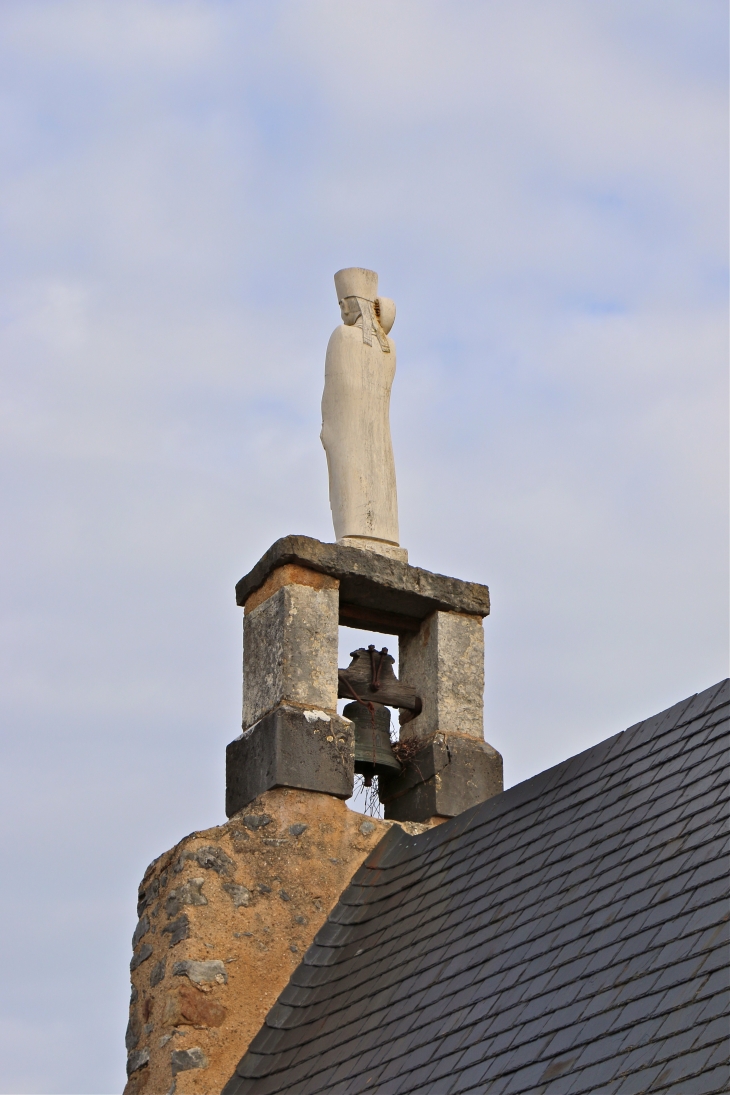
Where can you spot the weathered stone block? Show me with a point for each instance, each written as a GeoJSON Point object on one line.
{"type": "Point", "coordinates": [444, 662]}
{"type": "Point", "coordinates": [308, 750]}
{"type": "Point", "coordinates": [448, 775]}
{"type": "Point", "coordinates": [290, 650]}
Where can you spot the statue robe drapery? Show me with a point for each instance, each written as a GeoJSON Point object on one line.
{"type": "Point", "coordinates": [356, 435]}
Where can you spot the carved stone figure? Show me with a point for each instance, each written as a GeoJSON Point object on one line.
{"type": "Point", "coordinates": [359, 371]}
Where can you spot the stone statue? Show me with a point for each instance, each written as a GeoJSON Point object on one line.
{"type": "Point", "coordinates": [359, 371]}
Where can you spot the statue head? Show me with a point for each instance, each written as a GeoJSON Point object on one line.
{"type": "Point", "coordinates": [357, 293]}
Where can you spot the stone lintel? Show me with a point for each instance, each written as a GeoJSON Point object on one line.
{"type": "Point", "coordinates": [373, 589]}
{"type": "Point", "coordinates": [303, 749]}
{"type": "Point", "coordinates": [448, 775]}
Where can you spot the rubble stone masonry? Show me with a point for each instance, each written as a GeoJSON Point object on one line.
{"type": "Point", "coordinates": [224, 918]}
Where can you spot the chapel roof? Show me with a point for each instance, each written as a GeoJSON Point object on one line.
{"type": "Point", "coordinates": [567, 936]}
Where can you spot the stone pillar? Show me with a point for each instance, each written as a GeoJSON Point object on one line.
{"type": "Point", "coordinates": [292, 734]}
{"type": "Point", "coordinates": [444, 662]}
{"type": "Point", "coordinates": [290, 643]}
{"type": "Point", "coordinates": [454, 768]}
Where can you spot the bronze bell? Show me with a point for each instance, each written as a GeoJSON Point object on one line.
{"type": "Point", "coordinates": [373, 752]}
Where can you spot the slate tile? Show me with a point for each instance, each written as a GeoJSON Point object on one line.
{"type": "Point", "coordinates": [638, 1083]}
{"type": "Point", "coordinates": [631, 1013]}
{"type": "Point", "coordinates": [524, 1079]}
{"type": "Point", "coordinates": [458, 1039]}
{"type": "Point", "coordinates": [593, 1078]}
{"type": "Point", "coordinates": [712, 1082]}
{"type": "Point", "coordinates": [444, 1066]}
{"type": "Point", "coordinates": [599, 1049]}
{"type": "Point", "coordinates": [681, 1019]}
{"type": "Point", "coordinates": [674, 1045]}
{"type": "Point", "coordinates": [720, 1052]}
{"type": "Point", "coordinates": [633, 984]}
{"type": "Point", "coordinates": [501, 1042]}
{"type": "Point", "coordinates": [718, 1004]}
{"type": "Point", "coordinates": [681, 1068]}
{"type": "Point", "coordinates": [714, 959]}
{"type": "Point", "coordinates": [709, 892]}
{"type": "Point", "coordinates": [458, 1018]}
{"type": "Point", "coordinates": [643, 1032]}
{"type": "Point", "coordinates": [565, 1038]}
{"type": "Point", "coordinates": [708, 915]}
{"type": "Point", "coordinates": [715, 1030]}
{"type": "Point", "coordinates": [637, 1058]}
{"type": "Point", "coordinates": [599, 1002]}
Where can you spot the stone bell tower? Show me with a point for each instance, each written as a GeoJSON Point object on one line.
{"type": "Point", "coordinates": [227, 914]}
{"type": "Point", "coordinates": [294, 599]}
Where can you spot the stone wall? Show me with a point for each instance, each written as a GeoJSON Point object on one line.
{"type": "Point", "coordinates": [225, 917]}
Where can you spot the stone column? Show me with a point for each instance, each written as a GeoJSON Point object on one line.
{"type": "Point", "coordinates": [290, 643]}
{"type": "Point", "coordinates": [292, 734]}
{"type": "Point", "coordinates": [444, 662]}
{"type": "Point", "coordinates": [454, 768]}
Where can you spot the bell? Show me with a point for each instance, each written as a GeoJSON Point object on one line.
{"type": "Point", "coordinates": [373, 752]}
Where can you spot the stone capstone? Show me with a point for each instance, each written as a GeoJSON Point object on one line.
{"type": "Point", "coordinates": [287, 749]}
{"type": "Point", "coordinates": [369, 583]}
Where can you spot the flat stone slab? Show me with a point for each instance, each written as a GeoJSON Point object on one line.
{"type": "Point", "coordinates": [373, 588]}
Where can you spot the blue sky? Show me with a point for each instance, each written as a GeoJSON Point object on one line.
{"type": "Point", "coordinates": [542, 187]}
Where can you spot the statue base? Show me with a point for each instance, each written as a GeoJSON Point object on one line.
{"type": "Point", "coordinates": [380, 547]}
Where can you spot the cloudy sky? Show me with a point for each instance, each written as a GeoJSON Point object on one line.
{"type": "Point", "coordinates": [542, 186]}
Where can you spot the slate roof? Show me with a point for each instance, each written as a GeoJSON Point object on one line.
{"type": "Point", "coordinates": [567, 936]}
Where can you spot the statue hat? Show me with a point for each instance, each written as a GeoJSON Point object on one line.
{"type": "Point", "coordinates": [356, 282]}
